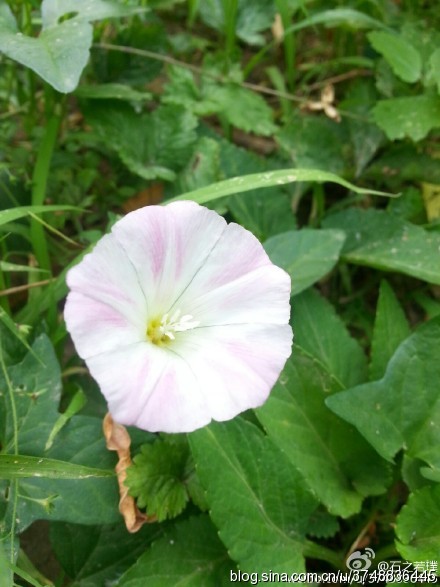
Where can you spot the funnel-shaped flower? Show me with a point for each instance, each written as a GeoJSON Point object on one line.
{"type": "Point", "coordinates": [180, 317]}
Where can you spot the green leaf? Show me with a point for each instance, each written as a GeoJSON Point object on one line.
{"type": "Point", "coordinates": [242, 108]}
{"type": "Point", "coordinates": [412, 117]}
{"type": "Point", "coordinates": [189, 554]}
{"type": "Point", "coordinates": [21, 466]}
{"type": "Point", "coordinates": [257, 499]}
{"type": "Point", "coordinates": [402, 410]}
{"type": "Point", "coordinates": [158, 477]}
{"type": "Point", "coordinates": [434, 68]}
{"type": "Point", "coordinates": [307, 255]}
{"type": "Point", "coordinates": [203, 168]}
{"type": "Point", "coordinates": [315, 143]}
{"type": "Point", "coordinates": [404, 59]}
{"type": "Point", "coordinates": [254, 181]}
{"type": "Point", "coordinates": [21, 211]}
{"type": "Point", "coordinates": [153, 145]}
{"type": "Point", "coordinates": [112, 92]}
{"type": "Point", "coordinates": [418, 526]}
{"type": "Point", "coordinates": [252, 18]}
{"type": "Point", "coordinates": [338, 465]}
{"type": "Point", "coordinates": [321, 333]}
{"type": "Point", "coordinates": [34, 386]}
{"type": "Point", "coordinates": [390, 329]}
{"type": "Point", "coordinates": [379, 239]}
{"type": "Point", "coordinates": [98, 555]}
{"type": "Point", "coordinates": [61, 50]}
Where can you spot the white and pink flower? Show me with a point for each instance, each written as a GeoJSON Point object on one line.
{"type": "Point", "coordinates": [180, 317]}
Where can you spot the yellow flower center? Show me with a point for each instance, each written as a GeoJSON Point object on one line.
{"type": "Point", "coordinates": [162, 330]}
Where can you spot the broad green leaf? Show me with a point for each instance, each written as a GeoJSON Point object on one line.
{"type": "Point", "coordinates": [338, 465]}
{"type": "Point", "coordinates": [307, 255]}
{"type": "Point", "coordinates": [112, 92]}
{"type": "Point", "coordinates": [379, 239]}
{"type": "Point", "coordinates": [242, 108]}
{"type": "Point", "coordinates": [402, 410]}
{"type": "Point", "coordinates": [98, 555]}
{"type": "Point", "coordinates": [88, 10]}
{"type": "Point", "coordinates": [321, 333]}
{"type": "Point", "coordinates": [203, 168]}
{"type": "Point", "coordinates": [34, 384]}
{"type": "Point", "coordinates": [20, 466]}
{"type": "Point", "coordinates": [434, 68]}
{"type": "Point", "coordinates": [390, 329]}
{"type": "Point", "coordinates": [61, 50]}
{"type": "Point", "coordinates": [190, 554]}
{"type": "Point", "coordinates": [254, 181]}
{"type": "Point", "coordinates": [418, 526]}
{"type": "Point", "coordinates": [315, 143]}
{"type": "Point", "coordinates": [256, 498]}
{"type": "Point", "coordinates": [413, 116]}
{"type": "Point", "coordinates": [152, 145]}
{"type": "Point", "coordinates": [404, 59]}
{"type": "Point", "coordinates": [159, 476]}
{"type": "Point", "coordinates": [22, 211]}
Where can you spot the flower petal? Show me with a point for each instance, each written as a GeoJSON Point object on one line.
{"type": "Point", "coordinates": [107, 276]}
{"type": "Point", "coordinates": [236, 366]}
{"type": "Point", "coordinates": [168, 246]}
{"type": "Point", "coordinates": [97, 327]}
{"type": "Point", "coordinates": [238, 284]}
{"type": "Point", "coordinates": [151, 388]}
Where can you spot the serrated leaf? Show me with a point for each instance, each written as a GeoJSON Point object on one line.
{"type": "Point", "coordinates": [412, 117]}
{"type": "Point", "coordinates": [307, 255]}
{"type": "Point", "coordinates": [257, 499]}
{"type": "Point", "coordinates": [189, 554]}
{"type": "Point", "coordinates": [98, 555]}
{"type": "Point", "coordinates": [159, 475]}
{"type": "Point", "coordinates": [152, 145]}
{"type": "Point", "coordinates": [242, 108]}
{"type": "Point", "coordinates": [402, 410]}
{"type": "Point", "coordinates": [390, 329]}
{"type": "Point", "coordinates": [418, 526]}
{"type": "Point", "coordinates": [379, 239]}
{"type": "Point", "coordinates": [322, 524]}
{"type": "Point", "coordinates": [403, 57]}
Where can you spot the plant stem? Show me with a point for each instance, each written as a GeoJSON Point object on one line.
{"type": "Point", "coordinates": [230, 11]}
{"type": "Point", "coordinates": [39, 183]}
{"type": "Point", "coordinates": [322, 553]}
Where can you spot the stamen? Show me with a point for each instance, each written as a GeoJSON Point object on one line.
{"type": "Point", "coordinates": [161, 331]}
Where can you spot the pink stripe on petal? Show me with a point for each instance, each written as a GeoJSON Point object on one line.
{"type": "Point", "coordinates": [168, 246]}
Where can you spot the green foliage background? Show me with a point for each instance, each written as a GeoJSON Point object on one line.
{"type": "Point", "coordinates": [315, 125]}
